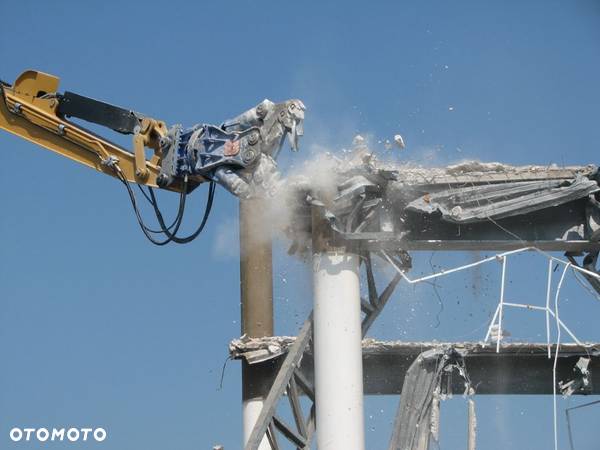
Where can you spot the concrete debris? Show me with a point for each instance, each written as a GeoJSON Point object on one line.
{"type": "Point", "coordinates": [582, 381]}
{"type": "Point", "coordinates": [399, 141]}
{"type": "Point", "coordinates": [477, 166]}
{"type": "Point", "coordinates": [497, 334]}
{"type": "Point", "coordinates": [473, 167]}
{"type": "Point", "coordinates": [239, 347]}
{"type": "Point", "coordinates": [480, 171]}
{"type": "Point", "coordinates": [256, 350]}
{"type": "Point", "coordinates": [422, 208]}
{"type": "Point", "coordinates": [497, 201]}
{"type": "Point", "coordinates": [358, 140]}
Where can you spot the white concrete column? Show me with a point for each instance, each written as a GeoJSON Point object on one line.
{"type": "Point", "coordinates": [338, 352]}
{"type": "Point", "coordinates": [250, 412]}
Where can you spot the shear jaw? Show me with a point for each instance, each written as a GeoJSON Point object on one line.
{"type": "Point", "coordinates": [295, 122]}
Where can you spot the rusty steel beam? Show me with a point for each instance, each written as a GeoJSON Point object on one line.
{"type": "Point", "coordinates": [256, 291]}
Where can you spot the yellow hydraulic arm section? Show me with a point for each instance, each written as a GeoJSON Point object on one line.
{"type": "Point", "coordinates": [29, 109]}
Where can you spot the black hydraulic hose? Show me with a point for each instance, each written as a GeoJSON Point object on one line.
{"type": "Point", "coordinates": [150, 230]}
{"type": "Point", "coordinates": [194, 235]}
{"type": "Point", "coordinates": [207, 209]}
{"type": "Point", "coordinates": [145, 229]}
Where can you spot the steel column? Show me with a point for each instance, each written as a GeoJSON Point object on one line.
{"type": "Point", "coordinates": [256, 289]}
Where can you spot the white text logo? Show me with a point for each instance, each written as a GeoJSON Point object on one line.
{"type": "Point", "coordinates": [57, 434]}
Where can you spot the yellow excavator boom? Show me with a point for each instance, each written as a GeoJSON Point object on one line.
{"type": "Point", "coordinates": [29, 109]}
{"type": "Point", "coordinates": [239, 154]}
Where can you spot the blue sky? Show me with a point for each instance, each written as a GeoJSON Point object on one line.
{"type": "Point", "coordinates": [99, 327]}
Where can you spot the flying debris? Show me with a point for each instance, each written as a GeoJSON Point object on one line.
{"type": "Point", "coordinates": [358, 140]}
{"type": "Point", "coordinates": [497, 334]}
{"type": "Point", "coordinates": [399, 141]}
